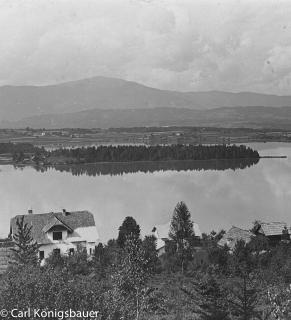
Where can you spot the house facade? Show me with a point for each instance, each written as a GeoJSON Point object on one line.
{"type": "Point", "coordinates": [275, 232]}
{"type": "Point", "coordinates": [60, 232]}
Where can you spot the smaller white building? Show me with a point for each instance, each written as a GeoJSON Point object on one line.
{"type": "Point", "coordinates": [161, 233]}
{"type": "Point", "coordinates": [60, 232]}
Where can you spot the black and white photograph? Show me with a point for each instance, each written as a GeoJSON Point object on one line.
{"type": "Point", "coordinates": [145, 159]}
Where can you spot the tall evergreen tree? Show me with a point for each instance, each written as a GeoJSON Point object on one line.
{"type": "Point", "coordinates": [208, 295]}
{"type": "Point", "coordinates": [26, 248]}
{"type": "Point", "coordinates": [244, 297]}
{"type": "Point", "coordinates": [246, 285]}
{"type": "Point", "coordinates": [182, 232]}
{"type": "Point", "coordinates": [128, 229]}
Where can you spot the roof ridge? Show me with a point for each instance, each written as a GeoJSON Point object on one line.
{"type": "Point", "coordinates": [51, 212]}
{"type": "Point", "coordinates": [282, 222]}
{"type": "Point", "coordinates": [240, 228]}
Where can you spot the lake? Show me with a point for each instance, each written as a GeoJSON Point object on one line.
{"type": "Point", "coordinates": [218, 194]}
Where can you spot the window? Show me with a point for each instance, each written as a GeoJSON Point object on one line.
{"type": "Point", "coordinates": [57, 251]}
{"type": "Point", "coordinates": [41, 255]}
{"type": "Point", "coordinates": [71, 251]}
{"type": "Point", "coordinates": [57, 235]}
{"type": "Point", "coordinates": [91, 251]}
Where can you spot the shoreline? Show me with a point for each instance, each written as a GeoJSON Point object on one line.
{"type": "Point", "coordinates": [273, 157]}
{"type": "Point", "coordinates": [135, 162]}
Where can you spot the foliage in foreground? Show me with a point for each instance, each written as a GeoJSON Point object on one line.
{"type": "Point", "coordinates": [127, 280]}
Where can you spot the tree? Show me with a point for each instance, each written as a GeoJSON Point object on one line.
{"type": "Point", "coordinates": [245, 297]}
{"type": "Point", "coordinates": [280, 301]}
{"type": "Point", "coordinates": [26, 248]}
{"type": "Point", "coordinates": [50, 289]}
{"type": "Point", "coordinates": [208, 295]}
{"type": "Point", "coordinates": [247, 284]}
{"type": "Point", "coordinates": [182, 233]}
{"type": "Point", "coordinates": [18, 156]}
{"type": "Point", "coordinates": [150, 253]}
{"type": "Point", "coordinates": [130, 294]}
{"type": "Point", "coordinates": [55, 261]}
{"type": "Point", "coordinates": [102, 259]}
{"type": "Point", "coordinates": [77, 263]}
{"type": "Point", "coordinates": [128, 229]}
{"type": "Point", "coordinates": [219, 256]}
{"type": "Point", "coordinates": [242, 260]}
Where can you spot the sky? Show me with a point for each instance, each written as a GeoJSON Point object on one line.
{"type": "Point", "coordinates": [185, 45]}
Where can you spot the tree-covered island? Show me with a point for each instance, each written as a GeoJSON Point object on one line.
{"type": "Point", "coordinates": [127, 153]}
{"type": "Point", "coordinates": [124, 153]}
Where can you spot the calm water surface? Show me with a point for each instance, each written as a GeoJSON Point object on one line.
{"type": "Point", "coordinates": [216, 198]}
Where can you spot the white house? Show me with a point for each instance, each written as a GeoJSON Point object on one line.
{"type": "Point", "coordinates": [60, 232]}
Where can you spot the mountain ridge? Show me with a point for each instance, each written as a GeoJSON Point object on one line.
{"type": "Point", "coordinates": [19, 102]}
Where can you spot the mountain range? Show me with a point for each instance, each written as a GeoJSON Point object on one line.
{"type": "Point", "coordinates": [109, 102]}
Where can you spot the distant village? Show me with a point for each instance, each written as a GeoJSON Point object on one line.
{"type": "Point", "coordinates": [55, 138]}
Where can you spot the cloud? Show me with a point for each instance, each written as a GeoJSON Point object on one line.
{"type": "Point", "coordinates": [277, 68]}
{"type": "Point", "coordinates": [174, 44]}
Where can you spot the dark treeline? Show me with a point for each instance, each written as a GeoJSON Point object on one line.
{"type": "Point", "coordinates": [12, 148]}
{"type": "Point", "coordinates": [150, 167]}
{"type": "Point", "coordinates": [155, 153]}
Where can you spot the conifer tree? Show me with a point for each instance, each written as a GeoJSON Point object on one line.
{"type": "Point", "coordinates": [182, 233]}
{"type": "Point", "coordinates": [26, 248]}
{"type": "Point", "coordinates": [244, 297]}
{"type": "Point", "coordinates": [208, 296]}
{"type": "Point", "coordinates": [128, 229]}
{"type": "Point", "coordinates": [130, 292]}
{"type": "Point", "coordinates": [245, 286]}
{"type": "Point", "coordinates": [150, 253]}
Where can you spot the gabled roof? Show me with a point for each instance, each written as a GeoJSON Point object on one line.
{"type": "Point", "coordinates": [233, 235]}
{"type": "Point", "coordinates": [272, 228]}
{"type": "Point", "coordinates": [56, 222]}
{"type": "Point", "coordinates": [45, 221]}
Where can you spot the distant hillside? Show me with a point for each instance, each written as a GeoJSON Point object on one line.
{"type": "Point", "coordinates": [255, 117]}
{"type": "Point", "coordinates": [18, 102]}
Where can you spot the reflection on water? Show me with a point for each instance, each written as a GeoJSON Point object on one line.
{"type": "Point", "coordinates": [217, 198]}
{"type": "Point", "coordinates": [150, 167]}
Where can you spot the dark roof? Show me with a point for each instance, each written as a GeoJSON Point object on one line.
{"type": "Point", "coordinates": [233, 235]}
{"type": "Point", "coordinates": [44, 221]}
{"type": "Point", "coordinates": [272, 228]}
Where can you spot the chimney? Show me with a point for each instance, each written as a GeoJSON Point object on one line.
{"type": "Point", "coordinates": [65, 212]}
{"type": "Point", "coordinates": [30, 211]}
